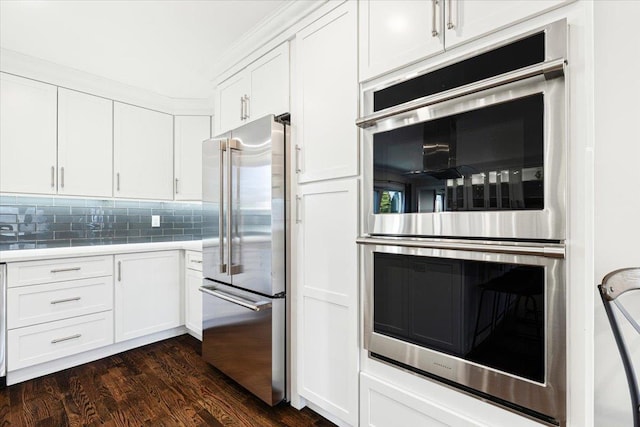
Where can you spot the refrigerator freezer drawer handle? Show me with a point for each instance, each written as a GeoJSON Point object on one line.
{"type": "Point", "coordinates": [258, 306]}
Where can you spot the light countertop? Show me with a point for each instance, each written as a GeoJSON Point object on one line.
{"type": "Point", "coordinates": [39, 254]}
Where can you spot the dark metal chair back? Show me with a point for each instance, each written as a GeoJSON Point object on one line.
{"type": "Point", "coordinates": [613, 285]}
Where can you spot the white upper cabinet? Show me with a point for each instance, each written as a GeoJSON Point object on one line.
{"type": "Point", "coordinates": [269, 81]}
{"type": "Point", "coordinates": [395, 33]}
{"type": "Point", "coordinates": [261, 88]}
{"type": "Point", "coordinates": [27, 136]}
{"type": "Point", "coordinates": [143, 153]}
{"type": "Point", "coordinates": [469, 19]}
{"type": "Point", "coordinates": [230, 101]}
{"type": "Point", "coordinates": [190, 131]}
{"type": "Point", "coordinates": [85, 150]}
{"type": "Point", "coordinates": [326, 101]}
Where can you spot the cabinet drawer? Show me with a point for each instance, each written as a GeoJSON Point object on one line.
{"type": "Point", "coordinates": [58, 270]}
{"type": "Point", "coordinates": [30, 305]}
{"type": "Point", "coordinates": [194, 260]}
{"type": "Point", "coordinates": [42, 343]}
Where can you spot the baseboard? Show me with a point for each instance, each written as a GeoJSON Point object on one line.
{"type": "Point", "coordinates": [46, 368]}
{"type": "Point", "coordinates": [337, 421]}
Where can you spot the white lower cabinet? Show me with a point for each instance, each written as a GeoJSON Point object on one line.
{"type": "Point", "coordinates": [148, 293]}
{"type": "Point", "coordinates": [48, 341]}
{"type": "Point", "coordinates": [385, 405]}
{"type": "Point", "coordinates": [192, 294]}
{"type": "Point", "coordinates": [326, 285]}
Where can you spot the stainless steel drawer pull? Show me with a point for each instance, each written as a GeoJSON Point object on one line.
{"type": "Point", "coordinates": [72, 337]}
{"type": "Point", "coordinates": [119, 271]}
{"type": "Point", "coordinates": [62, 176]}
{"type": "Point", "coordinates": [198, 261]}
{"type": "Point", "coordinates": [298, 216]}
{"type": "Point", "coordinates": [434, 16]}
{"type": "Point", "coordinates": [298, 152]}
{"type": "Point", "coordinates": [53, 176]}
{"type": "Point", "coordinates": [60, 301]}
{"type": "Point", "coordinates": [255, 306]}
{"type": "Point", "coordinates": [450, 24]}
{"type": "Point", "coordinates": [60, 270]}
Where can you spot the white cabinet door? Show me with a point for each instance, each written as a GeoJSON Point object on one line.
{"type": "Point", "coordinates": [190, 131]}
{"type": "Point", "coordinates": [385, 405]}
{"type": "Point", "coordinates": [143, 153]}
{"type": "Point", "coordinates": [269, 80]}
{"type": "Point", "coordinates": [85, 144]}
{"type": "Point", "coordinates": [229, 105]}
{"type": "Point", "coordinates": [27, 135]}
{"type": "Point", "coordinates": [326, 282]}
{"type": "Point", "coordinates": [395, 33]}
{"type": "Point", "coordinates": [469, 19]}
{"type": "Point", "coordinates": [148, 295]}
{"type": "Point", "coordinates": [326, 107]}
{"type": "Point", "coordinates": [193, 301]}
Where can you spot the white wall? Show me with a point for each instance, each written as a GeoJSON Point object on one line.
{"type": "Point", "coordinates": [617, 197]}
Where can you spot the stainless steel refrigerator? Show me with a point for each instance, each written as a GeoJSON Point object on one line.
{"type": "Point", "coordinates": [244, 253]}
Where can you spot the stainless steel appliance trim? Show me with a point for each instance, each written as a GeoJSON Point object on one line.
{"type": "Point", "coordinates": [222, 263]}
{"type": "Point", "coordinates": [61, 270]}
{"type": "Point", "coordinates": [71, 337]}
{"type": "Point", "coordinates": [255, 306]}
{"type": "Point", "coordinates": [232, 145]}
{"type": "Point", "coordinates": [555, 47]}
{"type": "Point", "coordinates": [545, 250]}
{"type": "Point", "coordinates": [547, 224]}
{"type": "Point", "coordinates": [60, 301]}
{"type": "Point", "coordinates": [547, 398]}
{"type": "Point", "coordinates": [434, 13]}
{"type": "Point", "coordinates": [551, 69]}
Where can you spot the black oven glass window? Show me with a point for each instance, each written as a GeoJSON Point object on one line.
{"type": "Point", "coordinates": [487, 159]}
{"type": "Point", "coordinates": [485, 312]}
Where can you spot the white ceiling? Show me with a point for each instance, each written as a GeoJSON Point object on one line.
{"type": "Point", "coordinates": [168, 47]}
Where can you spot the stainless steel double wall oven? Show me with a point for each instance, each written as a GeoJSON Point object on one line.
{"type": "Point", "coordinates": [464, 214]}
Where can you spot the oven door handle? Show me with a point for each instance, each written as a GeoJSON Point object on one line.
{"type": "Point", "coordinates": [548, 69]}
{"type": "Point", "coordinates": [255, 306]}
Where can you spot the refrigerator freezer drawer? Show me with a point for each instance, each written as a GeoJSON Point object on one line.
{"type": "Point", "coordinates": [244, 337]}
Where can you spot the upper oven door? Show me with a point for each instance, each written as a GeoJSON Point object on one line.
{"type": "Point", "coordinates": [490, 164]}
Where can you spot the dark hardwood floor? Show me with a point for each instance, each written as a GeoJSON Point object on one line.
{"type": "Point", "coordinates": [161, 384]}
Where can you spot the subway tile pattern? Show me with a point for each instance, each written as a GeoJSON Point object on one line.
{"type": "Point", "coordinates": [28, 222]}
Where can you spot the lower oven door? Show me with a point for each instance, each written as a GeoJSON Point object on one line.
{"type": "Point", "coordinates": [243, 335]}
{"type": "Point", "coordinates": [488, 319]}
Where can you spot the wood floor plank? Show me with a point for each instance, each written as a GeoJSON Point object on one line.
{"type": "Point", "coordinates": [162, 384]}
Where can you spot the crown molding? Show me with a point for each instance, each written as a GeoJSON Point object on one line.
{"type": "Point", "coordinates": [276, 28]}
{"type": "Point", "coordinates": [22, 65]}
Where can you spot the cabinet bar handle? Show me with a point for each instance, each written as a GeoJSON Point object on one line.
{"type": "Point", "coordinates": [53, 176]}
{"type": "Point", "coordinates": [72, 337]}
{"type": "Point", "coordinates": [197, 261]}
{"type": "Point", "coordinates": [60, 270]}
{"type": "Point", "coordinates": [119, 271]}
{"type": "Point", "coordinates": [62, 176]}
{"type": "Point", "coordinates": [298, 219]}
{"type": "Point", "coordinates": [247, 105]}
{"type": "Point", "coordinates": [242, 108]}
{"type": "Point", "coordinates": [118, 181]}
{"type": "Point", "coordinates": [176, 185]}
{"type": "Point", "coordinates": [434, 10]}
{"type": "Point", "coordinates": [60, 301]}
{"type": "Point", "coordinates": [450, 24]}
{"type": "Point", "coordinates": [298, 153]}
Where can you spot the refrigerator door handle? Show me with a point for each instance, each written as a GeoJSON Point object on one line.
{"type": "Point", "coordinates": [255, 306]}
{"type": "Point", "coordinates": [233, 145]}
{"type": "Point", "coordinates": [222, 265]}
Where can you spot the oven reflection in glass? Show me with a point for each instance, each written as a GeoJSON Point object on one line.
{"type": "Point", "coordinates": [486, 159]}
{"type": "Point", "coordinates": [485, 312]}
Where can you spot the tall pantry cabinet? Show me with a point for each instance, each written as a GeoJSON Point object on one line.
{"type": "Point", "coordinates": [325, 225]}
